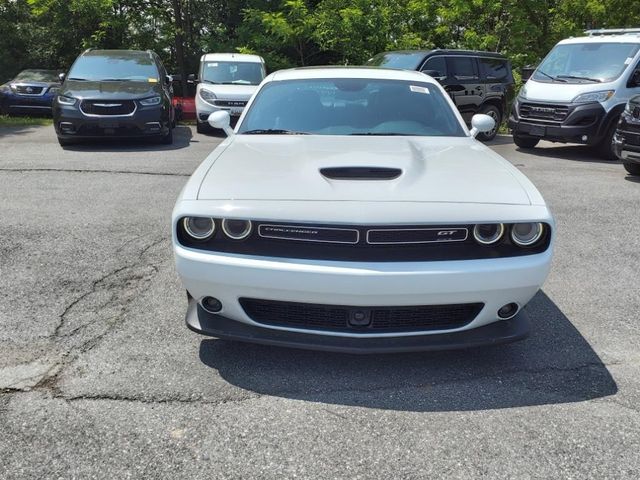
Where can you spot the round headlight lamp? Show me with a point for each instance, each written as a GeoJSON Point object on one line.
{"type": "Point", "coordinates": [236, 229]}
{"type": "Point", "coordinates": [199, 228]}
{"type": "Point", "coordinates": [488, 233]}
{"type": "Point", "coordinates": [526, 234]}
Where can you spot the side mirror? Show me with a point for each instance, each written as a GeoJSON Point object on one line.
{"type": "Point", "coordinates": [434, 74]}
{"type": "Point", "coordinates": [222, 120]}
{"type": "Point", "coordinates": [481, 123]}
{"type": "Point", "coordinates": [62, 76]}
{"type": "Point", "coordinates": [192, 78]}
{"type": "Point", "coordinates": [526, 72]}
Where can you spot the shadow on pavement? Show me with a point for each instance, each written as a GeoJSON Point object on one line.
{"type": "Point", "coordinates": [578, 153]}
{"type": "Point", "coordinates": [632, 178]}
{"type": "Point", "coordinates": [181, 139]}
{"type": "Point", "coordinates": [554, 365]}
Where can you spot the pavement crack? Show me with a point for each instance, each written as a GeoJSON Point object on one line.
{"type": "Point", "coordinates": [80, 170]}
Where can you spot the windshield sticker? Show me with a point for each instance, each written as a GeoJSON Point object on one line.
{"type": "Point", "coordinates": [152, 80]}
{"type": "Point", "coordinates": [210, 65]}
{"type": "Point", "coordinates": [628, 60]}
{"type": "Point", "coordinates": [415, 88]}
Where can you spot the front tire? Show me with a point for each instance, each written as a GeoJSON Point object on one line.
{"type": "Point", "coordinates": [65, 142]}
{"type": "Point", "coordinates": [494, 113]}
{"type": "Point", "coordinates": [605, 147]}
{"type": "Point", "coordinates": [168, 138]}
{"type": "Point", "coordinates": [525, 142]}
{"type": "Point", "coordinates": [632, 168]}
{"type": "Point", "coordinates": [202, 127]}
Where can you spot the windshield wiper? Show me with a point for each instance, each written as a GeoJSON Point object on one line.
{"type": "Point", "coordinates": [114, 80]}
{"type": "Point", "coordinates": [555, 79]}
{"type": "Point", "coordinates": [597, 80]}
{"type": "Point", "coordinates": [385, 134]}
{"type": "Point", "coordinates": [79, 79]}
{"type": "Point", "coordinates": [211, 82]}
{"type": "Point", "coordinates": [273, 131]}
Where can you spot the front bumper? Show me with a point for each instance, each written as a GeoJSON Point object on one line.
{"type": "Point", "coordinates": [37, 104]}
{"type": "Point", "coordinates": [229, 277]}
{"type": "Point", "coordinates": [626, 141]}
{"type": "Point", "coordinates": [70, 122]}
{"type": "Point", "coordinates": [583, 123]}
{"type": "Point", "coordinates": [203, 322]}
{"type": "Point", "coordinates": [204, 109]}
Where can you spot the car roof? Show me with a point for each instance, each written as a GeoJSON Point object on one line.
{"type": "Point", "coordinates": [349, 72]}
{"type": "Point", "coordinates": [226, 57]}
{"type": "Point", "coordinates": [625, 38]}
{"type": "Point", "coordinates": [474, 53]}
{"type": "Point", "coordinates": [121, 54]}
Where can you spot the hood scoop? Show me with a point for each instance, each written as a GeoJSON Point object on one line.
{"type": "Point", "coordinates": [361, 173]}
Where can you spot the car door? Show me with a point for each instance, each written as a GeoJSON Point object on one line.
{"type": "Point", "coordinates": [464, 85]}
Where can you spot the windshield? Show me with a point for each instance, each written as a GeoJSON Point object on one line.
{"type": "Point", "coordinates": [37, 76]}
{"type": "Point", "coordinates": [401, 60]}
{"type": "Point", "coordinates": [350, 106]}
{"type": "Point", "coordinates": [115, 67]}
{"type": "Point", "coordinates": [586, 62]}
{"type": "Point", "coordinates": [232, 73]}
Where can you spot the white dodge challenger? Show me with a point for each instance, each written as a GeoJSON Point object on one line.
{"type": "Point", "coordinates": [352, 210]}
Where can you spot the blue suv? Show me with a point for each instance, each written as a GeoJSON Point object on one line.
{"type": "Point", "coordinates": [31, 91]}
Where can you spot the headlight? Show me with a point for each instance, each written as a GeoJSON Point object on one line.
{"type": "Point", "coordinates": [207, 96]}
{"type": "Point", "coordinates": [488, 233]}
{"type": "Point", "coordinates": [236, 229]}
{"type": "Point", "coordinates": [523, 93]}
{"type": "Point", "coordinates": [199, 228]}
{"type": "Point", "coordinates": [148, 102]}
{"type": "Point", "coordinates": [54, 89]}
{"type": "Point", "coordinates": [594, 96]}
{"type": "Point", "coordinates": [62, 100]}
{"type": "Point", "coordinates": [526, 234]}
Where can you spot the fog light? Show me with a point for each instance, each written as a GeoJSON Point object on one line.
{"type": "Point", "coordinates": [67, 127]}
{"type": "Point", "coordinates": [584, 138]}
{"type": "Point", "coordinates": [211, 304]}
{"type": "Point", "coordinates": [507, 311]}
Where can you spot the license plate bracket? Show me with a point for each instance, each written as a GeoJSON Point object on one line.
{"type": "Point", "coordinates": [537, 131]}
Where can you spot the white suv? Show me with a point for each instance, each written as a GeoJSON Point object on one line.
{"type": "Point", "coordinates": [226, 82]}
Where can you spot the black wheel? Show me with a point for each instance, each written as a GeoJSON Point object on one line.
{"type": "Point", "coordinates": [632, 168]}
{"type": "Point", "coordinates": [525, 142]}
{"type": "Point", "coordinates": [605, 147]}
{"type": "Point", "coordinates": [168, 138]}
{"type": "Point", "coordinates": [65, 142]}
{"type": "Point", "coordinates": [202, 127]}
{"type": "Point", "coordinates": [494, 113]}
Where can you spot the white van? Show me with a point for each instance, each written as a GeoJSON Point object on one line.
{"type": "Point", "coordinates": [226, 82]}
{"type": "Point", "coordinates": [577, 93]}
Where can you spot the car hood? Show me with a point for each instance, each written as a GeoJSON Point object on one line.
{"type": "Point", "coordinates": [121, 90]}
{"type": "Point", "coordinates": [230, 92]}
{"type": "Point", "coordinates": [561, 92]}
{"type": "Point", "coordinates": [432, 169]}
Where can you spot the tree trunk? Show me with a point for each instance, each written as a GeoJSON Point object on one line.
{"type": "Point", "coordinates": [179, 43]}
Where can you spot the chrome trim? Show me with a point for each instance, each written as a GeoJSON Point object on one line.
{"type": "Point", "coordinates": [45, 89]}
{"type": "Point", "coordinates": [309, 228]}
{"type": "Point", "coordinates": [466, 235]}
{"type": "Point", "coordinates": [135, 109]}
{"type": "Point", "coordinates": [629, 155]}
{"type": "Point", "coordinates": [491, 242]}
{"type": "Point", "coordinates": [30, 106]}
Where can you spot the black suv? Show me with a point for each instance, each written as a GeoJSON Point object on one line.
{"type": "Point", "coordinates": [115, 93]}
{"type": "Point", "coordinates": [626, 140]}
{"type": "Point", "coordinates": [478, 82]}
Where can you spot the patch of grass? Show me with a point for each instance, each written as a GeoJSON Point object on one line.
{"type": "Point", "coordinates": [8, 121]}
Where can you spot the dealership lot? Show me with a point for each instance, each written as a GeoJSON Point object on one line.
{"type": "Point", "coordinates": [101, 379]}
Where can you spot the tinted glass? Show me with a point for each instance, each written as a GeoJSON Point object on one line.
{"type": "Point", "coordinates": [352, 107]}
{"type": "Point", "coordinates": [494, 68]}
{"type": "Point", "coordinates": [462, 67]}
{"type": "Point", "coordinates": [114, 66]}
{"type": "Point", "coordinates": [586, 62]}
{"type": "Point", "coordinates": [401, 60]}
{"type": "Point", "coordinates": [37, 76]}
{"type": "Point", "coordinates": [437, 64]}
{"type": "Point", "coordinates": [232, 73]}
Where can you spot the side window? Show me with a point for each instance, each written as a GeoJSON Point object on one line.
{"type": "Point", "coordinates": [493, 68]}
{"type": "Point", "coordinates": [436, 64]}
{"type": "Point", "coordinates": [462, 68]}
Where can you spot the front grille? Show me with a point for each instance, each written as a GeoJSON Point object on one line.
{"type": "Point", "coordinates": [28, 90]}
{"type": "Point", "coordinates": [339, 318]}
{"type": "Point", "coordinates": [108, 108]}
{"type": "Point", "coordinates": [550, 113]}
{"type": "Point", "coordinates": [230, 103]}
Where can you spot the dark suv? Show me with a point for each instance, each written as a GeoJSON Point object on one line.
{"type": "Point", "coordinates": [626, 140]}
{"type": "Point", "coordinates": [31, 91]}
{"type": "Point", "coordinates": [115, 93]}
{"type": "Point", "coordinates": [478, 82]}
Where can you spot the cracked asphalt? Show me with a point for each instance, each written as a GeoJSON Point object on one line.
{"type": "Point", "coordinates": [99, 377]}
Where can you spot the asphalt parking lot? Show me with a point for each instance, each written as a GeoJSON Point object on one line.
{"type": "Point", "coordinates": [100, 378]}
